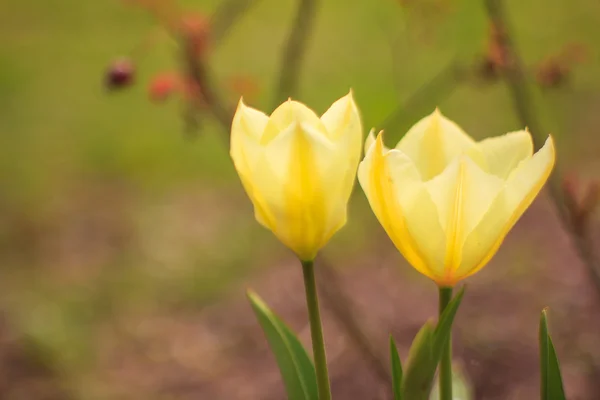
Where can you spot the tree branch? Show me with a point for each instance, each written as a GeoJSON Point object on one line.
{"type": "Point", "coordinates": [440, 86]}
{"type": "Point", "coordinates": [516, 80]}
{"type": "Point", "coordinates": [226, 16]}
{"type": "Point", "coordinates": [294, 51]}
{"type": "Point", "coordinates": [341, 306]}
{"type": "Point", "coordinates": [198, 71]}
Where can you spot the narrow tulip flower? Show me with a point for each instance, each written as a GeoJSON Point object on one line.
{"type": "Point", "coordinates": [298, 169]}
{"type": "Point", "coordinates": [446, 201]}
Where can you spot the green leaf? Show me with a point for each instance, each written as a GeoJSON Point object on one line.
{"type": "Point", "coordinates": [426, 351]}
{"type": "Point", "coordinates": [297, 369]}
{"type": "Point", "coordinates": [461, 388]}
{"type": "Point", "coordinates": [420, 365]}
{"type": "Point", "coordinates": [396, 370]}
{"type": "Point", "coordinates": [551, 387]}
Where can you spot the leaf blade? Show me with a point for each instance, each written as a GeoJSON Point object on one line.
{"type": "Point", "coordinates": [396, 370]}
{"type": "Point", "coordinates": [551, 379]}
{"type": "Point", "coordinates": [420, 367]}
{"type": "Point", "coordinates": [426, 351]}
{"type": "Point", "coordinates": [296, 367]}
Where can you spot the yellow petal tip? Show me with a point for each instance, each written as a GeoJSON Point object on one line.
{"type": "Point", "coordinates": [241, 103]}
{"type": "Point", "coordinates": [379, 142]}
{"type": "Point", "coordinates": [370, 140]}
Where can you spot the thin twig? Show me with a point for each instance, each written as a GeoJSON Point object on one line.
{"type": "Point", "coordinates": [440, 86]}
{"type": "Point", "coordinates": [516, 80]}
{"type": "Point", "coordinates": [341, 305]}
{"type": "Point", "coordinates": [295, 50]}
{"type": "Point", "coordinates": [198, 71]}
{"type": "Point", "coordinates": [227, 14]}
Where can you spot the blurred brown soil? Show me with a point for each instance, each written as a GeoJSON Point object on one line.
{"type": "Point", "coordinates": [218, 352]}
{"type": "Point", "coordinates": [24, 375]}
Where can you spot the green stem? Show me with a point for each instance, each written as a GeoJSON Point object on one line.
{"type": "Point", "coordinates": [316, 330]}
{"type": "Point", "coordinates": [446, 361]}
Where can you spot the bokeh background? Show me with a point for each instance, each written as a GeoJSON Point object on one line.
{"type": "Point", "coordinates": [127, 242]}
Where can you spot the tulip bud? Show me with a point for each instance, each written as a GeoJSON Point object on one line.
{"type": "Point", "coordinates": [298, 169]}
{"type": "Point", "coordinates": [120, 74]}
{"type": "Point", "coordinates": [163, 85]}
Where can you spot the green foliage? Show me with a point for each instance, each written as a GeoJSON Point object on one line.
{"type": "Point", "coordinates": [420, 366]}
{"type": "Point", "coordinates": [396, 370]}
{"type": "Point", "coordinates": [426, 351]}
{"type": "Point", "coordinates": [297, 369]}
{"type": "Point", "coordinates": [551, 385]}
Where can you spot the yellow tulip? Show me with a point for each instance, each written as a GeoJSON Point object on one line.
{"type": "Point", "coordinates": [298, 169]}
{"type": "Point", "coordinates": [446, 201]}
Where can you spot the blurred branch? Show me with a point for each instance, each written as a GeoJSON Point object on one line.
{"type": "Point", "coordinates": [440, 86]}
{"type": "Point", "coordinates": [341, 306]}
{"type": "Point", "coordinates": [516, 80]}
{"type": "Point", "coordinates": [198, 71]}
{"type": "Point", "coordinates": [227, 14]}
{"type": "Point", "coordinates": [294, 51]}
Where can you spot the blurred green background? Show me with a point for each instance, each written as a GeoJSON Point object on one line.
{"type": "Point", "coordinates": [125, 244]}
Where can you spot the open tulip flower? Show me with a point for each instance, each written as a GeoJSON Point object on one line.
{"type": "Point", "coordinates": [446, 201]}
{"type": "Point", "coordinates": [298, 169]}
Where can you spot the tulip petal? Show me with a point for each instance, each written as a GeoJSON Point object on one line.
{"type": "Point", "coordinates": [344, 128]}
{"type": "Point", "coordinates": [287, 113]}
{"type": "Point", "coordinates": [402, 205]}
{"type": "Point", "coordinates": [248, 121]}
{"type": "Point", "coordinates": [371, 140]}
{"type": "Point", "coordinates": [462, 193]}
{"type": "Point", "coordinates": [420, 212]}
{"type": "Point", "coordinates": [246, 130]}
{"type": "Point", "coordinates": [264, 193]}
{"type": "Point", "coordinates": [302, 144]}
{"type": "Point", "coordinates": [504, 153]}
{"type": "Point", "coordinates": [522, 186]}
{"type": "Point", "coordinates": [433, 143]}
{"type": "Point", "coordinates": [295, 181]}
{"type": "Point", "coordinates": [342, 119]}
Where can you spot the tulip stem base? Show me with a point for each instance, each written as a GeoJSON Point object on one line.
{"type": "Point", "coordinates": [316, 330]}
{"type": "Point", "coordinates": [445, 374]}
